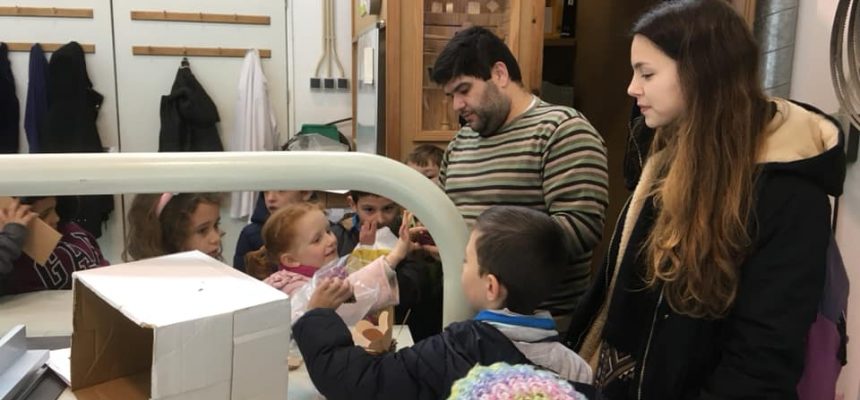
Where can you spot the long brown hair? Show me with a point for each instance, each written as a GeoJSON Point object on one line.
{"type": "Point", "coordinates": [707, 167]}
{"type": "Point", "coordinates": [151, 234]}
{"type": "Point", "coordinates": [279, 236]}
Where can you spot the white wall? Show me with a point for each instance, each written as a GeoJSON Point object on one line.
{"type": "Point", "coordinates": [305, 40]}
{"type": "Point", "coordinates": [811, 82]}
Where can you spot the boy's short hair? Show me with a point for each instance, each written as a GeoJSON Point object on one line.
{"type": "Point", "coordinates": [525, 250]}
{"type": "Point", "coordinates": [357, 194]}
{"type": "Point", "coordinates": [473, 52]}
{"type": "Point", "coordinates": [425, 154]}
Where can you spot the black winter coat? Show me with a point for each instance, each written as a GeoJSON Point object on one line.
{"type": "Point", "coordinates": [188, 117]}
{"type": "Point", "coordinates": [10, 110]}
{"type": "Point", "coordinates": [70, 127]}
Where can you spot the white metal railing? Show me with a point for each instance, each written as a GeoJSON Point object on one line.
{"type": "Point", "coordinates": [119, 173]}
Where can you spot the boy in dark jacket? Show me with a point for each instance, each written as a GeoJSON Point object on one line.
{"type": "Point", "coordinates": [511, 264]}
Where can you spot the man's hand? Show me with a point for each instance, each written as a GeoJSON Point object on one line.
{"type": "Point", "coordinates": [331, 293]}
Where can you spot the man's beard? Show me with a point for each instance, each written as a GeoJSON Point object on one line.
{"type": "Point", "coordinates": [492, 113]}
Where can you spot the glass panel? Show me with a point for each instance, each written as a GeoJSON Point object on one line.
{"type": "Point", "coordinates": [443, 19]}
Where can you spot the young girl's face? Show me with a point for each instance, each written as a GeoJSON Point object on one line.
{"type": "Point", "coordinates": [655, 83]}
{"type": "Point", "coordinates": [315, 245]}
{"type": "Point", "coordinates": [205, 232]}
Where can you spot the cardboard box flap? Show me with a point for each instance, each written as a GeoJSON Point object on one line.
{"type": "Point", "coordinates": [105, 344]}
{"type": "Point", "coordinates": [175, 288]}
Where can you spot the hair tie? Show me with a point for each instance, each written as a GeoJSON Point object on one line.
{"type": "Point", "coordinates": [162, 202]}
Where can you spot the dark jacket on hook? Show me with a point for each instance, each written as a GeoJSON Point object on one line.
{"type": "Point", "coordinates": [9, 111]}
{"type": "Point", "coordinates": [37, 97]}
{"type": "Point", "coordinates": [188, 117]}
{"type": "Point", "coordinates": [70, 127]}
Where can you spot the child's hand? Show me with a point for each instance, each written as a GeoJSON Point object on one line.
{"type": "Point", "coordinates": [367, 234]}
{"type": "Point", "coordinates": [16, 213]}
{"type": "Point", "coordinates": [404, 242]}
{"type": "Point", "coordinates": [331, 293]}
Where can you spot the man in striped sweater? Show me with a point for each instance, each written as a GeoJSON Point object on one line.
{"type": "Point", "coordinates": [516, 149]}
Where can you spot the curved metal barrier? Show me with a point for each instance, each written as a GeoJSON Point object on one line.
{"type": "Point", "coordinates": [120, 173]}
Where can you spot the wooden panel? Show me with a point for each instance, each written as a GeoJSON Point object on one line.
{"type": "Point", "coordinates": [195, 51]}
{"type": "Point", "coordinates": [393, 37]}
{"type": "Point", "coordinates": [200, 17]}
{"type": "Point", "coordinates": [411, 65]}
{"type": "Point", "coordinates": [530, 52]}
{"type": "Point", "coordinates": [46, 12]}
{"type": "Point", "coordinates": [747, 10]}
{"type": "Point", "coordinates": [49, 47]}
{"type": "Point", "coordinates": [458, 19]}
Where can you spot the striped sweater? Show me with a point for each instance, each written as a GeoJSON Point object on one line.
{"type": "Point", "coordinates": [549, 158]}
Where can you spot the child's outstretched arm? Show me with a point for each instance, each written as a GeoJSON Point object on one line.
{"type": "Point", "coordinates": [13, 222]}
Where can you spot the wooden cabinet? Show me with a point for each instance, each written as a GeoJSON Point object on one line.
{"type": "Point", "coordinates": [417, 110]}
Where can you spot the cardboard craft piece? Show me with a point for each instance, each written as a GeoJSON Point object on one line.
{"type": "Point", "coordinates": [376, 339]}
{"type": "Point", "coordinates": [41, 238]}
{"type": "Point", "coordinates": [180, 326]}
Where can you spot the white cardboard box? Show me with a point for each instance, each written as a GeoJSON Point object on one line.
{"type": "Point", "coordinates": [183, 326]}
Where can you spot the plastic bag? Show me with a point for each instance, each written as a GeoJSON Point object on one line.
{"type": "Point", "coordinates": [366, 294]}
{"type": "Point", "coordinates": [365, 254]}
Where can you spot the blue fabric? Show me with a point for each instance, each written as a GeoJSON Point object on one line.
{"type": "Point", "coordinates": [37, 96]}
{"type": "Point", "coordinates": [530, 321]}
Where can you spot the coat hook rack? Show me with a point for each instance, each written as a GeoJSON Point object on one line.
{"type": "Point", "coordinates": [48, 47]}
{"type": "Point", "coordinates": [195, 51]}
{"type": "Point", "coordinates": [164, 15]}
{"type": "Point", "coordinates": [17, 11]}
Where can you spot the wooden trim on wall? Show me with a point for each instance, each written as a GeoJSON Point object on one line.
{"type": "Point", "coordinates": [195, 51]}
{"type": "Point", "coordinates": [48, 47]}
{"type": "Point", "coordinates": [16, 11]}
{"type": "Point", "coordinates": [174, 16]}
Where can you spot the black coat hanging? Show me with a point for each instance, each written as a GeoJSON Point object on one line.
{"type": "Point", "coordinates": [10, 112]}
{"type": "Point", "coordinates": [70, 127]}
{"type": "Point", "coordinates": [188, 116]}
